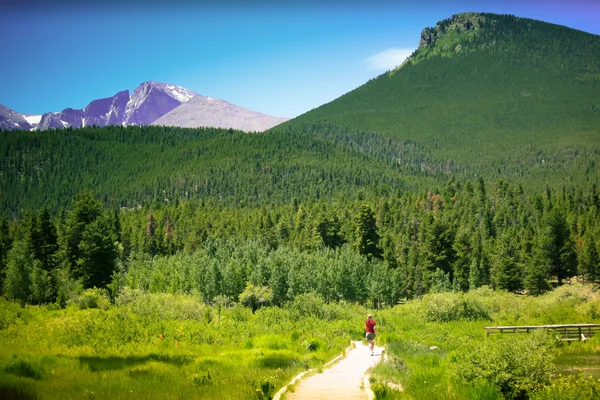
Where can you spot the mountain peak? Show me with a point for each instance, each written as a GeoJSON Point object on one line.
{"type": "Point", "coordinates": [149, 102]}
{"type": "Point", "coordinates": [464, 22]}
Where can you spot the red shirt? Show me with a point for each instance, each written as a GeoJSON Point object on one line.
{"type": "Point", "coordinates": [370, 325]}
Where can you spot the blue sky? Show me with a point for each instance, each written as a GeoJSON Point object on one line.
{"type": "Point", "coordinates": [282, 57]}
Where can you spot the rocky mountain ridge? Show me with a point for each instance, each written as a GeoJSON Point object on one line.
{"type": "Point", "coordinates": [148, 103]}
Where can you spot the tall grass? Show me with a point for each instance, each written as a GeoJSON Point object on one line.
{"type": "Point", "coordinates": [163, 346]}
{"type": "Point", "coordinates": [173, 346]}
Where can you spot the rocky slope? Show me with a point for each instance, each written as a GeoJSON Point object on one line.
{"type": "Point", "coordinates": [203, 111]}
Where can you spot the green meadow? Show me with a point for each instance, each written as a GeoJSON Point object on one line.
{"type": "Point", "coordinates": [165, 346]}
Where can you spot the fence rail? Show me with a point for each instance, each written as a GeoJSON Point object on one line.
{"type": "Point", "coordinates": [566, 332]}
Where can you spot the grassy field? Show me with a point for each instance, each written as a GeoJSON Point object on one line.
{"type": "Point", "coordinates": [166, 347]}
{"type": "Point", "coordinates": [162, 346]}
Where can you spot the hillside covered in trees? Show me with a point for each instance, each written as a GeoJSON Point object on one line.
{"type": "Point", "coordinates": [474, 163]}
{"type": "Point", "coordinates": [496, 94]}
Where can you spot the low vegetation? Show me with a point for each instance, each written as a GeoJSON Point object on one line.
{"type": "Point", "coordinates": [144, 345]}
{"type": "Point", "coordinates": [166, 346]}
{"type": "Point", "coordinates": [448, 356]}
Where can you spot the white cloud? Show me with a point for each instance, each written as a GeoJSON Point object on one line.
{"type": "Point", "coordinates": [388, 59]}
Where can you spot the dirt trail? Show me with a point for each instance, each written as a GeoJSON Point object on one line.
{"type": "Point", "coordinates": [341, 381]}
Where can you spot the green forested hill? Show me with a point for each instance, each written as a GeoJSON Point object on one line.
{"type": "Point", "coordinates": [495, 93]}
{"type": "Point", "coordinates": [131, 166]}
{"type": "Point", "coordinates": [490, 96]}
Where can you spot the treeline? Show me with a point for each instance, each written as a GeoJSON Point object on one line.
{"type": "Point", "coordinates": [129, 166]}
{"type": "Point", "coordinates": [376, 250]}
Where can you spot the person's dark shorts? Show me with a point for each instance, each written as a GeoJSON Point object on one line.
{"type": "Point", "coordinates": [370, 336]}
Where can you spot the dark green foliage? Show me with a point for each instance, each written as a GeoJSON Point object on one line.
{"type": "Point", "coordinates": [366, 233]}
{"type": "Point", "coordinates": [590, 257]}
{"type": "Point", "coordinates": [5, 245]}
{"type": "Point", "coordinates": [556, 247]}
{"type": "Point", "coordinates": [203, 379]}
{"type": "Point", "coordinates": [19, 263]}
{"type": "Point", "coordinates": [14, 393]}
{"type": "Point", "coordinates": [132, 166]}
{"type": "Point", "coordinates": [328, 231]}
{"type": "Point", "coordinates": [46, 245]}
{"type": "Point", "coordinates": [89, 242]}
{"type": "Point", "coordinates": [97, 254]}
{"type": "Point", "coordinates": [509, 275]}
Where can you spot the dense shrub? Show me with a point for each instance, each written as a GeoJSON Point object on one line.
{"type": "Point", "coordinates": [9, 312]}
{"type": "Point", "coordinates": [517, 365]}
{"type": "Point", "coordinates": [446, 307]}
{"type": "Point", "coordinates": [92, 298]}
{"type": "Point", "coordinates": [570, 388]}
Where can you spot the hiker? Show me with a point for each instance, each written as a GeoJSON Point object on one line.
{"type": "Point", "coordinates": [370, 329]}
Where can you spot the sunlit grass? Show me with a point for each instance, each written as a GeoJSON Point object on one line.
{"type": "Point", "coordinates": [126, 352]}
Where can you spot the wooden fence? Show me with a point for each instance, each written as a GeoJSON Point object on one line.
{"type": "Point", "coordinates": [565, 332]}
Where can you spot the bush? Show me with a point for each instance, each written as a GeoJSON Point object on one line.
{"type": "Point", "coordinates": [517, 365]}
{"type": "Point", "coordinates": [312, 345]}
{"type": "Point", "coordinates": [570, 388]}
{"type": "Point", "coordinates": [273, 342]}
{"type": "Point", "coordinates": [277, 360]}
{"type": "Point", "coordinates": [92, 298]}
{"type": "Point", "coordinates": [446, 307]}
{"type": "Point", "coordinates": [265, 389]}
{"type": "Point", "coordinates": [202, 379]}
{"type": "Point", "coordinates": [162, 306]}
{"type": "Point", "coordinates": [9, 313]}
{"type": "Point", "coordinates": [256, 296]}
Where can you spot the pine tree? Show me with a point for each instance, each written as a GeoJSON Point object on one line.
{"type": "Point", "coordinates": [5, 245]}
{"type": "Point", "coordinates": [48, 245]}
{"type": "Point", "coordinates": [508, 275]}
{"type": "Point", "coordinates": [463, 251]}
{"type": "Point", "coordinates": [151, 241]}
{"type": "Point", "coordinates": [327, 230]}
{"type": "Point", "coordinates": [557, 248]}
{"type": "Point", "coordinates": [86, 208]}
{"type": "Point", "coordinates": [589, 260]}
{"type": "Point", "coordinates": [438, 251]}
{"type": "Point", "coordinates": [19, 262]}
{"type": "Point", "coordinates": [98, 253]}
{"type": "Point", "coordinates": [366, 233]}
{"type": "Point", "coordinates": [536, 278]}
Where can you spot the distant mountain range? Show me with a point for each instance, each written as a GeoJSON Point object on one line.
{"type": "Point", "coordinates": [150, 103]}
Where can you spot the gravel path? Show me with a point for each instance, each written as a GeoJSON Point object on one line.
{"type": "Point", "coordinates": [341, 381]}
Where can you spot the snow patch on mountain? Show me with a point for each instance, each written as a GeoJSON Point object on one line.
{"type": "Point", "coordinates": [33, 119]}
{"type": "Point", "coordinates": [179, 93]}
